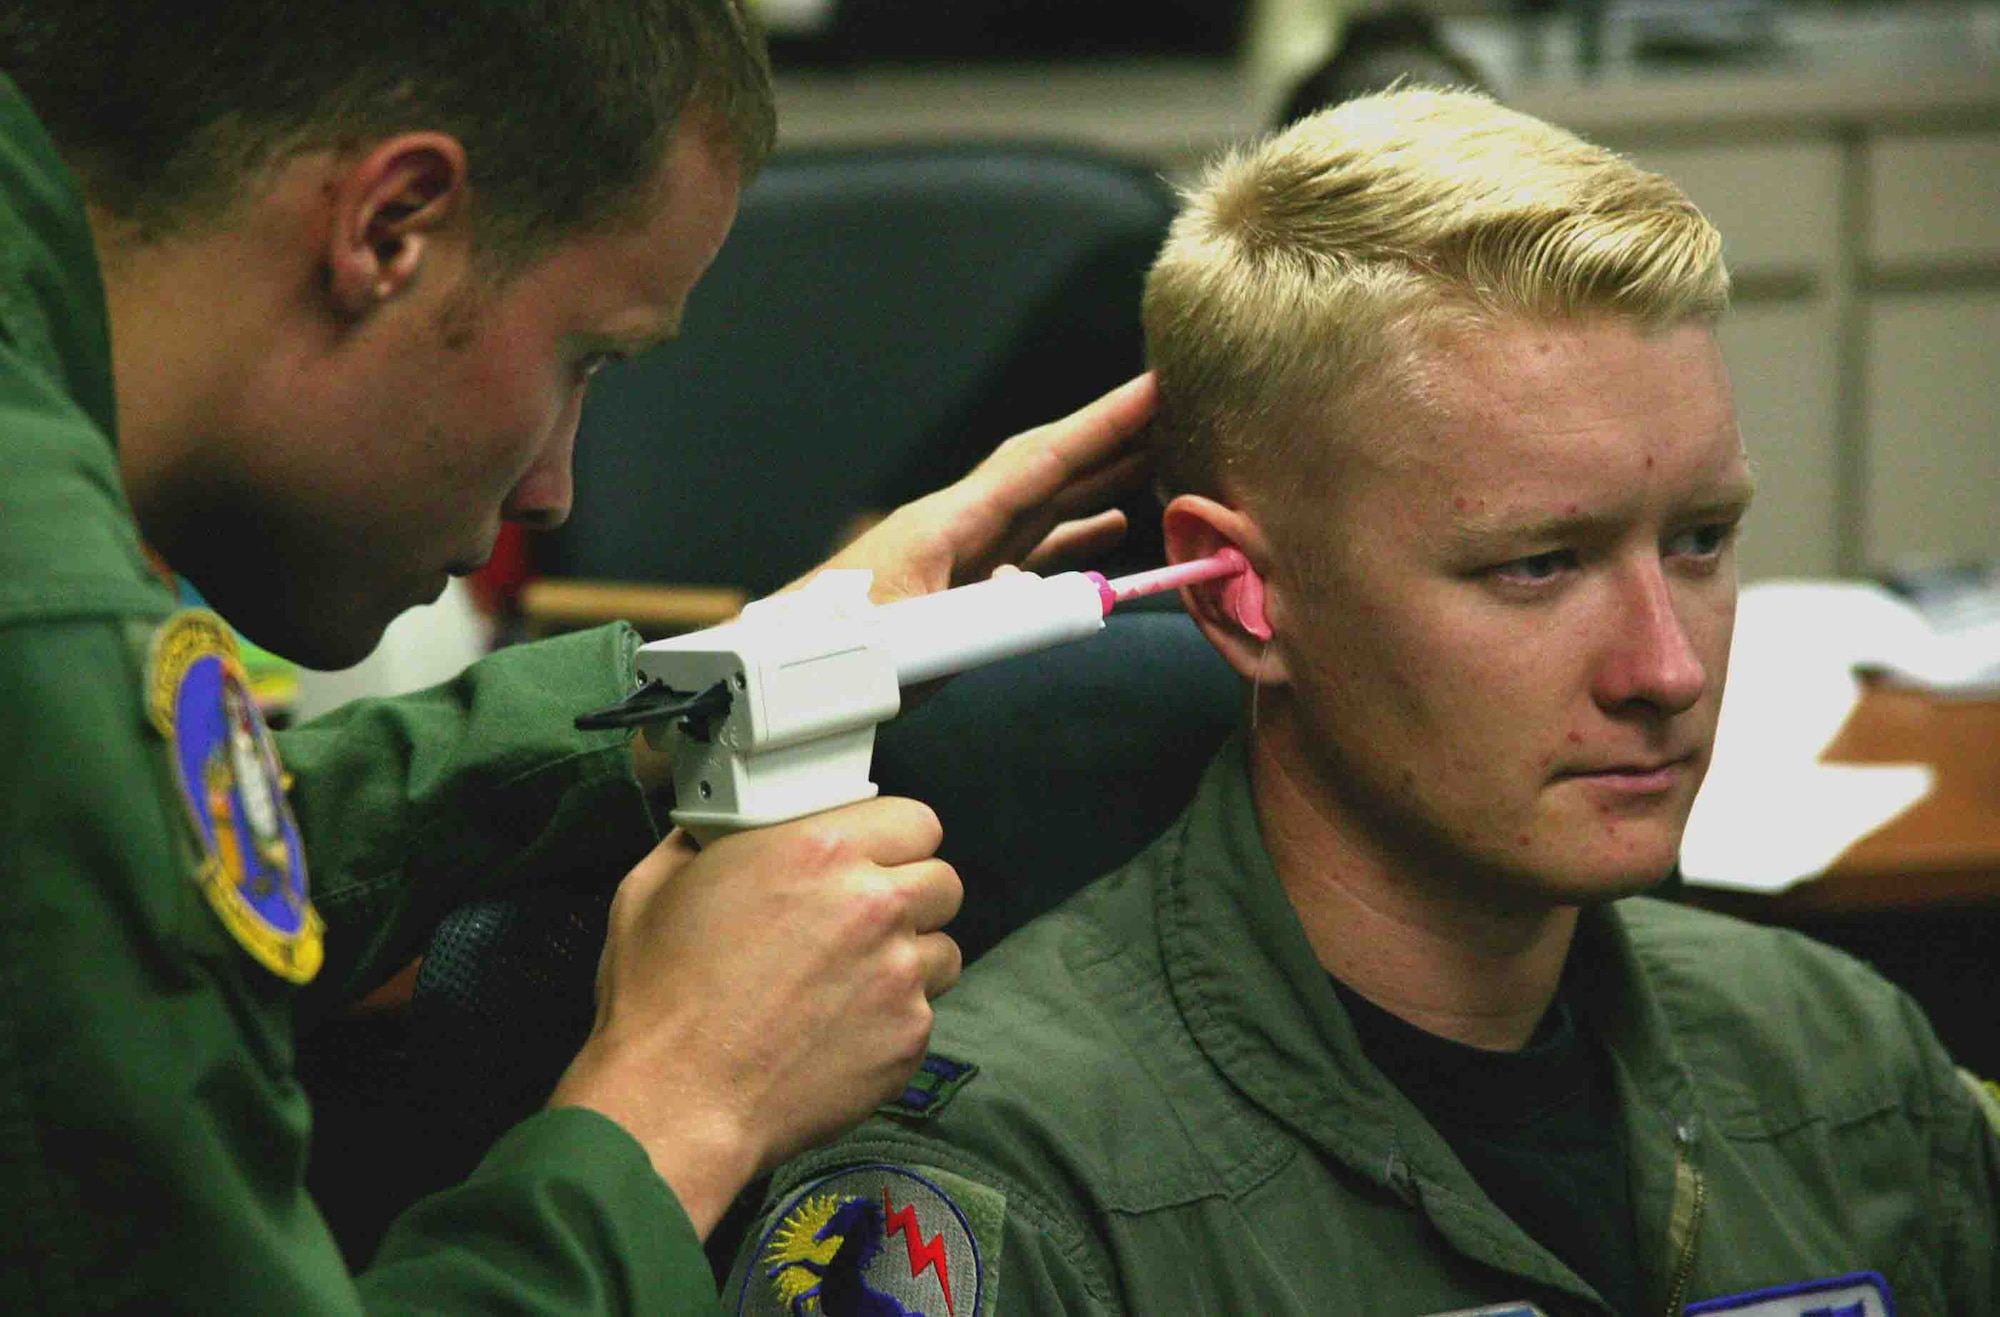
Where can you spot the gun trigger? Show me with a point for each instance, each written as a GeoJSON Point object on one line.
{"type": "Point", "coordinates": [658, 702]}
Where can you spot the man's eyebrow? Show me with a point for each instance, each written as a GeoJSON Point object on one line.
{"type": "Point", "coordinates": [1478, 529]}
{"type": "Point", "coordinates": [1481, 528]}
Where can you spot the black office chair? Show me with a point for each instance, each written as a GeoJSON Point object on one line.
{"type": "Point", "coordinates": [877, 322]}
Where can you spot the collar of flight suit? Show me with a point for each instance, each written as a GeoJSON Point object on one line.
{"type": "Point", "coordinates": [68, 544]}
{"type": "Point", "coordinates": [1261, 1008]}
{"type": "Point", "coordinates": [52, 307]}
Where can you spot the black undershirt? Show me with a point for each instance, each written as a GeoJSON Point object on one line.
{"type": "Point", "coordinates": [1538, 1129]}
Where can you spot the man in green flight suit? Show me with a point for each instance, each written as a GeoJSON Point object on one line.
{"type": "Point", "coordinates": [1384, 1023]}
{"type": "Point", "coordinates": [299, 302]}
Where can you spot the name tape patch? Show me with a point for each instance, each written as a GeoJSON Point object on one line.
{"type": "Point", "coordinates": [1863, 1294]}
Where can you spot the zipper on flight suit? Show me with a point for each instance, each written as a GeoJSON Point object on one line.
{"type": "Point", "coordinates": [1684, 1222]}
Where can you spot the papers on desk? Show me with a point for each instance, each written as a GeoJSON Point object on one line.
{"type": "Point", "coordinates": [1770, 814]}
{"type": "Point", "coordinates": [1955, 648]}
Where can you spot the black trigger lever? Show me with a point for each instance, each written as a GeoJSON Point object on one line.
{"type": "Point", "coordinates": [658, 702]}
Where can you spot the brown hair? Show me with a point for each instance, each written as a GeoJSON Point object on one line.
{"type": "Point", "coordinates": [565, 107]}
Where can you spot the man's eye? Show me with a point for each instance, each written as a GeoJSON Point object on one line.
{"type": "Point", "coordinates": [1702, 541]}
{"type": "Point", "coordinates": [1536, 567]}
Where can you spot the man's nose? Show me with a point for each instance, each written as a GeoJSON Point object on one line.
{"type": "Point", "coordinates": [540, 500]}
{"type": "Point", "coordinates": [1651, 660]}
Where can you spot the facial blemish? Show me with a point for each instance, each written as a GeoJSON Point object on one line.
{"type": "Point", "coordinates": [1576, 738]}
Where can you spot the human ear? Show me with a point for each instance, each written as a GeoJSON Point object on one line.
{"type": "Point", "coordinates": [1233, 612]}
{"type": "Point", "coordinates": [389, 208]}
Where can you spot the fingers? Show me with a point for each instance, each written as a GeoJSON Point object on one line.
{"type": "Point", "coordinates": [1004, 509]}
{"type": "Point", "coordinates": [931, 894]}
{"type": "Point", "coordinates": [1092, 435]}
{"type": "Point", "coordinates": [1076, 541]}
{"type": "Point", "coordinates": [1092, 490]}
{"type": "Point", "coordinates": [888, 830]}
{"type": "Point", "coordinates": [943, 962]}
{"type": "Point", "coordinates": [1083, 502]}
{"type": "Point", "coordinates": [1073, 463]}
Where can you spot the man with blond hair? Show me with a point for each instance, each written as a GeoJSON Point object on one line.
{"type": "Point", "coordinates": [1385, 1023]}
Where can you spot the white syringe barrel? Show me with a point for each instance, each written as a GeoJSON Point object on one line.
{"type": "Point", "coordinates": [936, 635]}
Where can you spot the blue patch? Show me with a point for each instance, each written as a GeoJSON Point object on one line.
{"type": "Point", "coordinates": [1862, 1294]}
{"type": "Point", "coordinates": [253, 865]}
{"type": "Point", "coordinates": [937, 1081]}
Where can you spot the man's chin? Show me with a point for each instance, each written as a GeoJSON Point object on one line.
{"type": "Point", "coordinates": [321, 647]}
{"type": "Point", "coordinates": [326, 639]}
{"type": "Point", "coordinates": [1615, 883]}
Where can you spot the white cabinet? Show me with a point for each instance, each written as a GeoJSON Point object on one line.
{"type": "Point", "coordinates": [1933, 200]}
{"type": "Point", "coordinates": [1933, 426]}
{"type": "Point", "coordinates": [1931, 335]}
{"type": "Point", "coordinates": [1781, 368]}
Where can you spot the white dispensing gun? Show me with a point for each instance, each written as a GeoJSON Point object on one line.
{"type": "Point", "coordinates": [772, 716]}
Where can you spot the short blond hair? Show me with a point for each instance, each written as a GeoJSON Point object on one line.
{"type": "Point", "coordinates": [1303, 267]}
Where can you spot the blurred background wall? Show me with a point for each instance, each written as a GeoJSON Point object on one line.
{"type": "Point", "coordinates": [1850, 153]}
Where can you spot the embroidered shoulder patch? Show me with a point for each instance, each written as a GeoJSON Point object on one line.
{"type": "Point", "coordinates": [937, 1081]}
{"type": "Point", "coordinates": [887, 1241]}
{"type": "Point", "coordinates": [1863, 1294]}
{"type": "Point", "coordinates": [253, 866]}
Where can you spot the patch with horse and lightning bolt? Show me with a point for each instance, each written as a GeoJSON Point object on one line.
{"type": "Point", "coordinates": [878, 1241]}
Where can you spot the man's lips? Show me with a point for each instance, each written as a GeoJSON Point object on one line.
{"type": "Point", "coordinates": [1649, 773]}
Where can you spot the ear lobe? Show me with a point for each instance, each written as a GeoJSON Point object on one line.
{"type": "Point", "coordinates": [1233, 612]}
{"type": "Point", "coordinates": [390, 208]}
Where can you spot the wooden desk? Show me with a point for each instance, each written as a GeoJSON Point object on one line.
{"type": "Point", "coordinates": [1943, 851]}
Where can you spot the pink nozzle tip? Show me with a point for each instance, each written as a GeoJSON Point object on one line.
{"type": "Point", "coordinates": [1227, 562]}
{"type": "Point", "coordinates": [1105, 594]}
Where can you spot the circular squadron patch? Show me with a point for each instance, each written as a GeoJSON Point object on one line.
{"type": "Point", "coordinates": [867, 1241]}
{"type": "Point", "coordinates": [253, 866]}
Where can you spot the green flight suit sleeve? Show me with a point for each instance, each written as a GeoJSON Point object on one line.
{"type": "Point", "coordinates": [411, 806]}
{"type": "Point", "coordinates": [624, 1244]}
{"type": "Point", "coordinates": [153, 1136]}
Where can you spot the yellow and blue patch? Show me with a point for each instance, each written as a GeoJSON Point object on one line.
{"type": "Point", "coordinates": [252, 865]}
{"type": "Point", "coordinates": [878, 1241]}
